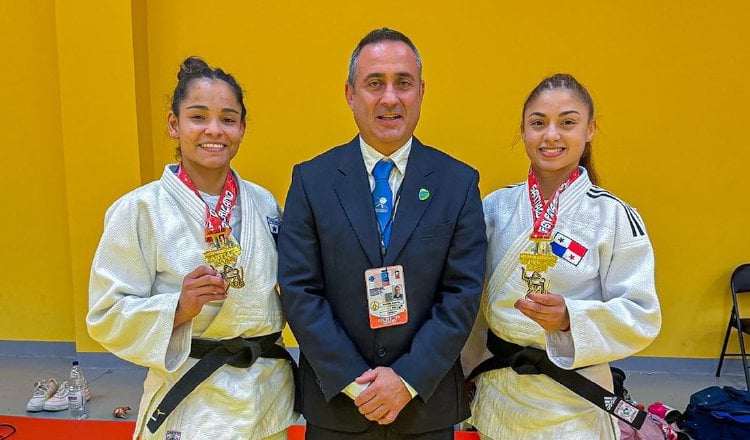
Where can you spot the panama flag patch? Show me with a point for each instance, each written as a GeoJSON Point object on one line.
{"type": "Point", "coordinates": [568, 249]}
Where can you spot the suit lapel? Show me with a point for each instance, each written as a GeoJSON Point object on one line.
{"type": "Point", "coordinates": [419, 176]}
{"type": "Point", "coordinates": [353, 190]}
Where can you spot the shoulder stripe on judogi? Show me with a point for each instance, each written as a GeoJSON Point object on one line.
{"type": "Point", "coordinates": [636, 223]}
{"type": "Point", "coordinates": [635, 220]}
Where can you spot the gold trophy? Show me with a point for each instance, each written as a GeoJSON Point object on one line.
{"type": "Point", "coordinates": [539, 260]}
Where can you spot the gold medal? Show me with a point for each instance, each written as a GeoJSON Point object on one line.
{"type": "Point", "coordinates": [223, 250]}
{"type": "Point", "coordinates": [538, 261]}
{"type": "Point", "coordinates": [223, 257]}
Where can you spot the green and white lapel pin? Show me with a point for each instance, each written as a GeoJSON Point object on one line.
{"type": "Point", "coordinates": [424, 194]}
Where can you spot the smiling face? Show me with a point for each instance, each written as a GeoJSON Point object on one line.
{"type": "Point", "coordinates": [556, 127]}
{"type": "Point", "coordinates": [386, 97]}
{"type": "Point", "coordinates": [209, 127]}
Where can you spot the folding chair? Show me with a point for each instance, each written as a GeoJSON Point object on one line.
{"type": "Point", "coordinates": [740, 283]}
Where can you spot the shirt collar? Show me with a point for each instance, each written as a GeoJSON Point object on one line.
{"type": "Point", "coordinates": [399, 157]}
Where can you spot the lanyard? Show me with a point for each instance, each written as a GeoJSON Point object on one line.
{"type": "Point", "coordinates": [217, 219]}
{"type": "Point", "coordinates": [545, 214]}
{"type": "Point", "coordinates": [389, 222]}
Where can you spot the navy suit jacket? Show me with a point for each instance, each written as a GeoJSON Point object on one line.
{"type": "Point", "coordinates": [329, 237]}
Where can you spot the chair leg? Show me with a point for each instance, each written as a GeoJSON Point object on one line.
{"type": "Point", "coordinates": [724, 347]}
{"type": "Point", "coordinates": [742, 351]}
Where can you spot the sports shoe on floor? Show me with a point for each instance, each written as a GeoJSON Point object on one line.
{"type": "Point", "coordinates": [43, 390]}
{"type": "Point", "coordinates": [59, 401]}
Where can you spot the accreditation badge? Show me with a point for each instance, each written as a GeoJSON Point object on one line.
{"type": "Point", "coordinates": [386, 296]}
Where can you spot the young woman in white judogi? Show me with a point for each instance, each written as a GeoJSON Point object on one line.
{"type": "Point", "coordinates": [152, 291]}
{"type": "Point", "coordinates": [602, 302]}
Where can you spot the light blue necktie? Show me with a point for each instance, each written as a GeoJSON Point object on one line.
{"type": "Point", "coordinates": [382, 197]}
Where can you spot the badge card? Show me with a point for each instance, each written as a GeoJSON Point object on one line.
{"type": "Point", "coordinates": [386, 296]}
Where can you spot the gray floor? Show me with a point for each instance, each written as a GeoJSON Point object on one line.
{"type": "Point", "coordinates": [110, 387]}
{"type": "Point", "coordinates": [674, 389]}
{"type": "Point", "coordinates": [672, 381]}
{"type": "Point", "coordinates": [648, 380]}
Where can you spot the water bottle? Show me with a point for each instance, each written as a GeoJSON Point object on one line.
{"type": "Point", "coordinates": [77, 393]}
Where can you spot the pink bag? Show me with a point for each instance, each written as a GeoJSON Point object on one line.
{"type": "Point", "coordinates": [654, 428]}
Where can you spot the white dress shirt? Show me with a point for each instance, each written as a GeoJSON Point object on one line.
{"type": "Point", "coordinates": [399, 158]}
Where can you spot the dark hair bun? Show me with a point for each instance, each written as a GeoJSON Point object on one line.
{"type": "Point", "coordinates": [195, 68]}
{"type": "Point", "coordinates": [192, 67]}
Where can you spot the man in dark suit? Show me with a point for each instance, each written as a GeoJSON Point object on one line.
{"type": "Point", "coordinates": [373, 368]}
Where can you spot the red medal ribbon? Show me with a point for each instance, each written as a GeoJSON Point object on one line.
{"type": "Point", "coordinates": [545, 214]}
{"type": "Point", "coordinates": [217, 219]}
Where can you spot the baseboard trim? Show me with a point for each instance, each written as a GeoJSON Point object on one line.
{"type": "Point", "coordinates": [634, 364]}
{"type": "Point", "coordinates": [42, 349]}
{"type": "Point", "coordinates": [37, 349]}
{"type": "Point", "coordinates": [663, 365]}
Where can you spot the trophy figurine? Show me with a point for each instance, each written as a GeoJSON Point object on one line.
{"type": "Point", "coordinates": [538, 261]}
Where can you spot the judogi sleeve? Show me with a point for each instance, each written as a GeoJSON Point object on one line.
{"type": "Point", "coordinates": [626, 318]}
{"type": "Point", "coordinates": [126, 316]}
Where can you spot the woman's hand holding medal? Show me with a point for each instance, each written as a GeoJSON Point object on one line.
{"type": "Point", "coordinates": [200, 286]}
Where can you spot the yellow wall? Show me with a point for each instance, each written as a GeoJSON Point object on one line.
{"type": "Point", "coordinates": [100, 135]}
{"type": "Point", "coordinates": [669, 82]}
{"type": "Point", "coordinates": [35, 295]}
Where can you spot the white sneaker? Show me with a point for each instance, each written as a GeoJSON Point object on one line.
{"type": "Point", "coordinates": [59, 401]}
{"type": "Point", "coordinates": [43, 390]}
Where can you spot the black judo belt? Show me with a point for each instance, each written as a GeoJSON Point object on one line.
{"type": "Point", "coordinates": [237, 352]}
{"type": "Point", "coordinates": [529, 360]}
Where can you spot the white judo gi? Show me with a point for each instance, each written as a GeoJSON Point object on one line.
{"type": "Point", "coordinates": [153, 237]}
{"type": "Point", "coordinates": [605, 271]}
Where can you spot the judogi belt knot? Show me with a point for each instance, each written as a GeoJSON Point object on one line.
{"type": "Point", "coordinates": [530, 360]}
{"type": "Point", "coordinates": [237, 352]}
